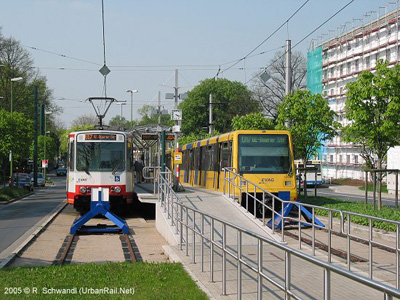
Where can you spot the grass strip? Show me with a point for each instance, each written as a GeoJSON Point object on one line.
{"type": "Point", "coordinates": [9, 193]}
{"type": "Point", "coordinates": [356, 207]}
{"type": "Point", "coordinates": [100, 281]}
{"type": "Point", "coordinates": [370, 188]}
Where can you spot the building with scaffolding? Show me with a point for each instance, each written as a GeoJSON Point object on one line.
{"type": "Point", "coordinates": [334, 63]}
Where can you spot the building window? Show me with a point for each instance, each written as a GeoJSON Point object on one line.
{"type": "Point", "coordinates": [388, 54]}
{"type": "Point", "coordinates": [325, 54]}
{"type": "Point", "coordinates": [341, 70]}
{"type": "Point", "coordinates": [331, 158]}
{"type": "Point", "coordinates": [356, 64]}
{"type": "Point", "coordinates": [356, 159]}
{"type": "Point", "coordinates": [348, 159]}
{"type": "Point", "coordinates": [367, 62]}
{"type": "Point", "coordinates": [348, 68]}
{"type": "Point", "coordinates": [340, 158]}
{"type": "Point", "coordinates": [367, 39]}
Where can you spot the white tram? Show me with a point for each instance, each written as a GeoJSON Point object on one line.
{"type": "Point", "coordinates": [100, 158]}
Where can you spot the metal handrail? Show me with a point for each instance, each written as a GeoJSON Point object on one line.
{"type": "Point", "coordinates": [156, 170]}
{"type": "Point", "coordinates": [180, 215]}
{"type": "Point", "coordinates": [344, 220]}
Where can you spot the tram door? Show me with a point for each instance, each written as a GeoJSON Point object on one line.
{"type": "Point", "coordinates": [225, 160]}
{"type": "Point", "coordinates": [191, 167]}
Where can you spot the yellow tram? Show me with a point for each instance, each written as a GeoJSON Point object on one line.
{"type": "Point", "coordinates": [264, 157]}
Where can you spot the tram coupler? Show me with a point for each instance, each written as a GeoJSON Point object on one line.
{"type": "Point", "coordinates": [99, 205]}
{"type": "Point", "coordinates": [278, 222]}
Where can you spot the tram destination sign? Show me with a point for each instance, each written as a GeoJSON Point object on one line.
{"type": "Point", "coordinates": [154, 137]}
{"type": "Point", "coordinates": [100, 137]}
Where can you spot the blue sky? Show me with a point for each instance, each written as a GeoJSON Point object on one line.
{"type": "Point", "coordinates": [146, 40]}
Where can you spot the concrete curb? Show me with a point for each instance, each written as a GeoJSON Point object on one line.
{"type": "Point", "coordinates": [39, 230]}
{"type": "Point", "coordinates": [16, 199]}
{"type": "Point", "coordinates": [173, 257]}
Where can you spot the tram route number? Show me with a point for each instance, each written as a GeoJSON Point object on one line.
{"type": "Point", "coordinates": [100, 137]}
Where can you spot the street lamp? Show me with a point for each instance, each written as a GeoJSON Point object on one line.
{"type": "Point", "coordinates": [44, 144]}
{"type": "Point", "coordinates": [120, 104]}
{"type": "Point", "coordinates": [11, 109]}
{"type": "Point", "coordinates": [132, 92]}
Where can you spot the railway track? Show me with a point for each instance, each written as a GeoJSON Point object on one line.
{"type": "Point", "coordinates": [128, 244]}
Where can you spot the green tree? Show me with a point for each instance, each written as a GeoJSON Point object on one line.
{"type": "Point", "coordinates": [231, 98]}
{"type": "Point", "coordinates": [64, 134]}
{"type": "Point", "coordinates": [309, 119]}
{"type": "Point", "coordinates": [51, 148]}
{"type": "Point", "coordinates": [16, 135]}
{"type": "Point", "coordinates": [252, 121]}
{"type": "Point", "coordinates": [192, 137]}
{"type": "Point", "coordinates": [373, 109]}
{"type": "Point", "coordinates": [149, 116]}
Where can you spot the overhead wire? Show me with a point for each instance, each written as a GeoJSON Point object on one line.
{"type": "Point", "coordinates": [62, 55]}
{"type": "Point", "coordinates": [302, 40]}
{"type": "Point", "coordinates": [271, 35]}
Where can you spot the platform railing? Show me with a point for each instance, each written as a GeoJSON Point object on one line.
{"type": "Point", "coordinates": [152, 173]}
{"type": "Point", "coordinates": [217, 245]}
{"type": "Point", "coordinates": [236, 186]}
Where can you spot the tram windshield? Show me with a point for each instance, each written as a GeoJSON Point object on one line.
{"type": "Point", "coordinates": [265, 154]}
{"type": "Point", "coordinates": [100, 156]}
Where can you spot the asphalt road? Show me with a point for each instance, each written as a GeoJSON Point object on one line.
{"type": "Point", "coordinates": [22, 217]}
{"type": "Point", "coordinates": [324, 191]}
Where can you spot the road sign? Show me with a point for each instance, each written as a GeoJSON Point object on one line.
{"type": "Point", "coordinates": [45, 163]}
{"type": "Point", "coordinates": [178, 157]}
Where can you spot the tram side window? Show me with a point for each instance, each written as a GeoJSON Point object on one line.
{"type": "Point", "coordinates": [184, 159]}
{"type": "Point", "coordinates": [207, 158]}
{"type": "Point", "coordinates": [71, 156]}
{"type": "Point", "coordinates": [214, 157]}
{"type": "Point", "coordinates": [197, 158]}
{"type": "Point", "coordinates": [226, 155]}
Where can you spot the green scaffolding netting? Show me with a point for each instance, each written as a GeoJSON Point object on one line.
{"type": "Point", "coordinates": [314, 71]}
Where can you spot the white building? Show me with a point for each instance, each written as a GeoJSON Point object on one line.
{"type": "Point", "coordinates": [342, 59]}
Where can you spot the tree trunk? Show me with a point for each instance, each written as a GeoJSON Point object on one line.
{"type": "Point", "coordinates": [379, 184]}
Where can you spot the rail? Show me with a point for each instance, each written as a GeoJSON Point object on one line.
{"type": "Point", "coordinates": [151, 173]}
{"type": "Point", "coordinates": [236, 184]}
{"type": "Point", "coordinates": [197, 234]}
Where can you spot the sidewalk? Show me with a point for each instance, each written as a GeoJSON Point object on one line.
{"type": "Point", "coordinates": [354, 190]}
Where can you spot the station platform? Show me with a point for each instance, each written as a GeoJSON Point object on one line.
{"type": "Point", "coordinates": [306, 279]}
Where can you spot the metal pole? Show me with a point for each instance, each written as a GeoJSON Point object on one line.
{"type": "Point", "coordinates": [315, 183]}
{"type": "Point", "coordinates": [366, 188]}
{"type": "Point", "coordinates": [288, 68]}
{"type": "Point", "coordinates": [35, 145]}
{"type": "Point", "coordinates": [396, 199]}
{"type": "Point", "coordinates": [374, 187]}
{"type": "Point", "coordinates": [211, 127]}
{"type": "Point", "coordinates": [11, 145]}
{"type": "Point", "coordinates": [131, 107]}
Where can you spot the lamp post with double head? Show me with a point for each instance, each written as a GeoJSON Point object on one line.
{"type": "Point", "coordinates": [15, 79]}
{"type": "Point", "coordinates": [132, 92]}
{"type": "Point", "coordinates": [44, 144]}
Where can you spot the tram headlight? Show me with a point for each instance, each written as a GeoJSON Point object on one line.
{"type": "Point", "coordinates": [117, 189]}
{"type": "Point", "coordinates": [83, 190]}
{"type": "Point", "coordinates": [288, 183]}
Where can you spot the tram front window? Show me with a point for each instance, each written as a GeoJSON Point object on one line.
{"type": "Point", "coordinates": [267, 153]}
{"type": "Point", "coordinates": [100, 156]}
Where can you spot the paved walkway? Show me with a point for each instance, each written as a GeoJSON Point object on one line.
{"type": "Point", "coordinates": [306, 278]}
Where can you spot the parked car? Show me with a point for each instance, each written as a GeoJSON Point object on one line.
{"type": "Point", "coordinates": [22, 180]}
{"type": "Point", "coordinates": [61, 171]}
{"type": "Point", "coordinates": [40, 179]}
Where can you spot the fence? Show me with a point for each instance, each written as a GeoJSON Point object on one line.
{"type": "Point", "coordinates": [236, 185]}
{"type": "Point", "coordinates": [206, 238]}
